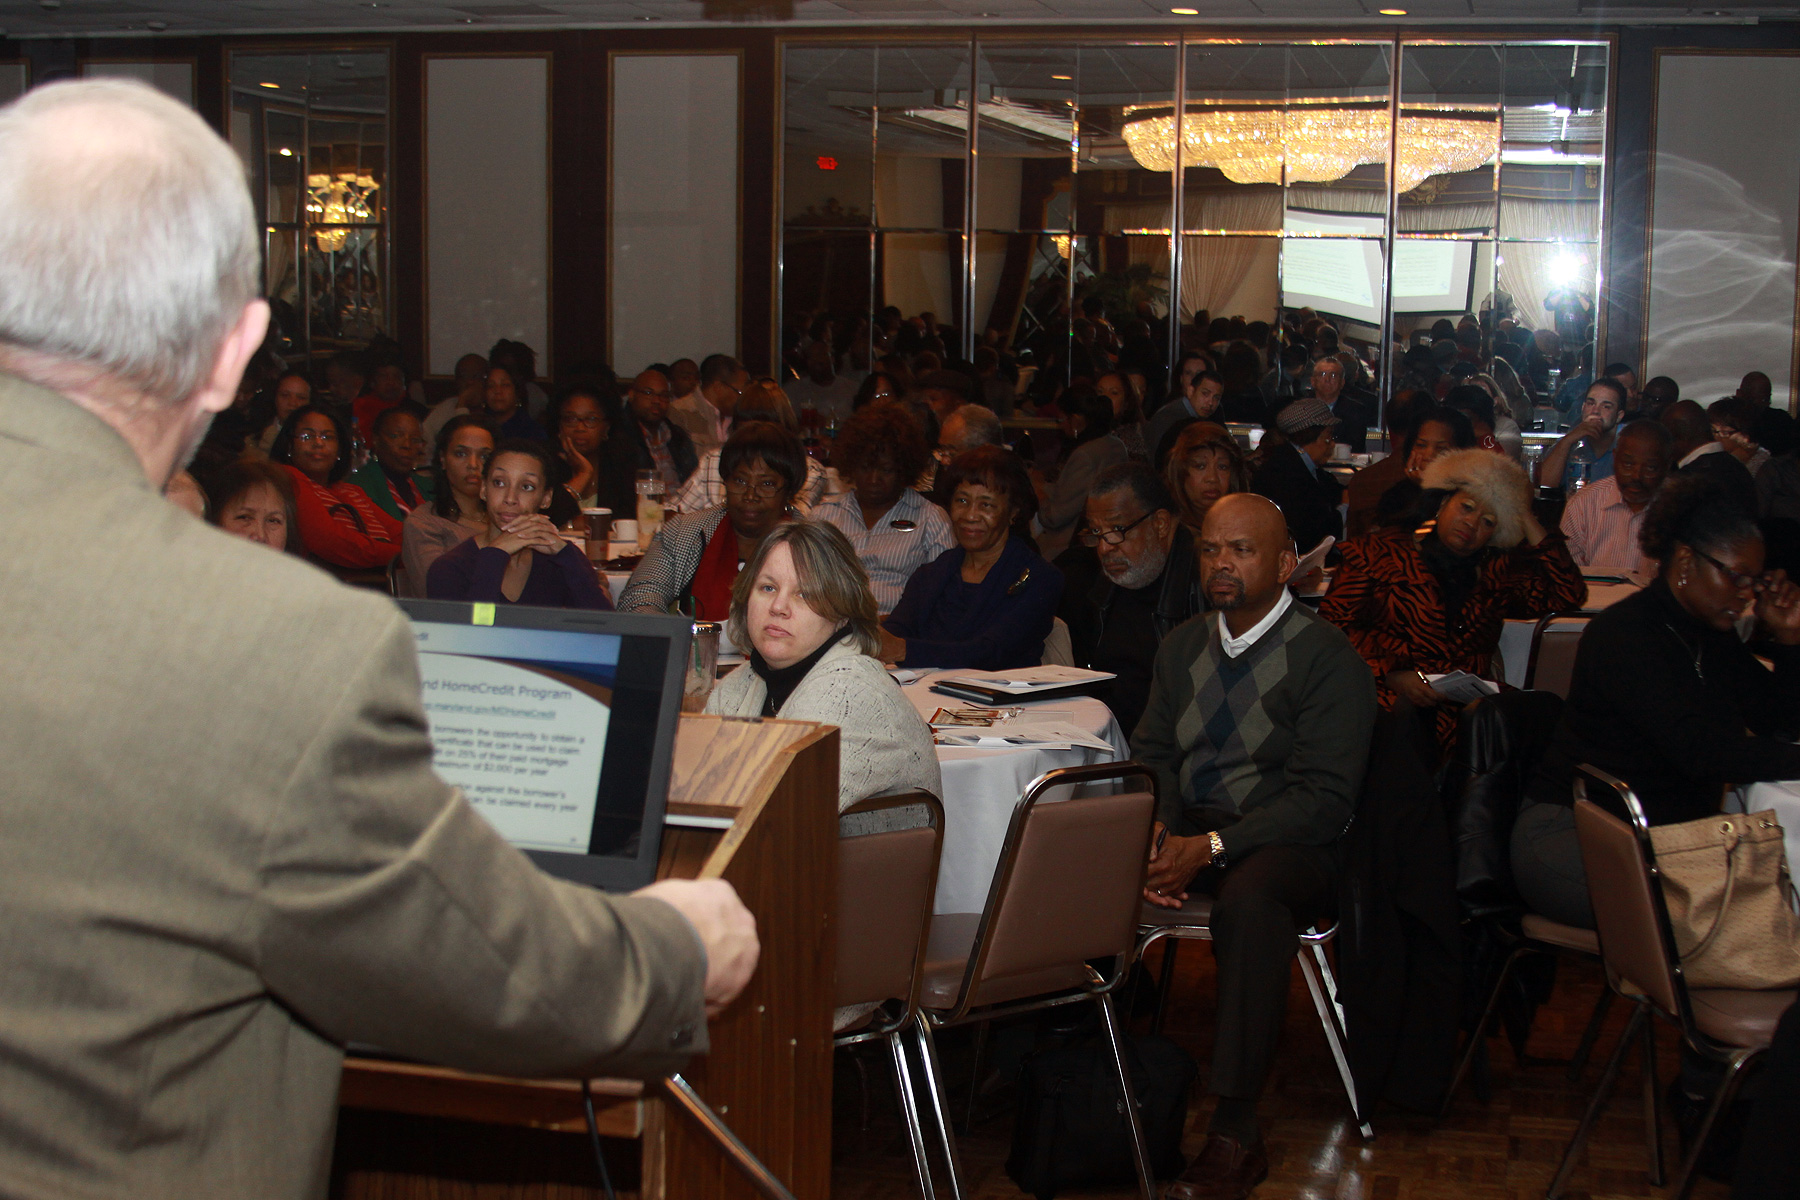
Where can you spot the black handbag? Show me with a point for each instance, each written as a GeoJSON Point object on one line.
{"type": "Point", "coordinates": [1071, 1132]}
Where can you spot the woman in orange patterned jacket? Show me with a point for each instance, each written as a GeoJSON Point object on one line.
{"type": "Point", "coordinates": [1431, 601]}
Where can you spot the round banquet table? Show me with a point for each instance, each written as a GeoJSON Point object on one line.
{"type": "Point", "coordinates": [1515, 636]}
{"type": "Point", "coordinates": [982, 786]}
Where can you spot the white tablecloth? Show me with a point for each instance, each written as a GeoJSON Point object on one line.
{"type": "Point", "coordinates": [1784, 798]}
{"type": "Point", "coordinates": [981, 787]}
{"type": "Point", "coordinates": [1515, 636]}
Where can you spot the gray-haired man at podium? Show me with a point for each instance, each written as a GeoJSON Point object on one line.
{"type": "Point", "coordinates": [223, 850]}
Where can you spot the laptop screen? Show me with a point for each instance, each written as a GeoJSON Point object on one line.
{"type": "Point", "coordinates": [559, 727]}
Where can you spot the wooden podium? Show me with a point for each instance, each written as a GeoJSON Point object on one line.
{"type": "Point", "coordinates": [753, 802]}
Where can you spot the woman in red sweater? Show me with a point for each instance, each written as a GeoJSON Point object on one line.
{"type": "Point", "coordinates": [339, 525]}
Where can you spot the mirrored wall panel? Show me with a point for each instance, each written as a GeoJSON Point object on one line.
{"type": "Point", "coordinates": [312, 130]}
{"type": "Point", "coordinates": [1090, 208]}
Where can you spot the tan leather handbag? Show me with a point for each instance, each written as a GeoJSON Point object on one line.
{"type": "Point", "coordinates": [1726, 882]}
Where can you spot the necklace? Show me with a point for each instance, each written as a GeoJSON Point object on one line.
{"type": "Point", "coordinates": [1697, 648]}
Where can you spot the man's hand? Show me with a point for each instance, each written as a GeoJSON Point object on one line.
{"type": "Point", "coordinates": [1778, 608]}
{"type": "Point", "coordinates": [1411, 686]}
{"type": "Point", "coordinates": [726, 929]}
{"type": "Point", "coordinates": [1589, 427]}
{"type": "Point", "coordinates": [1173, 866]}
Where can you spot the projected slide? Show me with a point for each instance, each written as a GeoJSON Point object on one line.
{"type": "Point", "coordinates": [524, 743]}
{"type": "Point", "coordinates": [1342, 277]}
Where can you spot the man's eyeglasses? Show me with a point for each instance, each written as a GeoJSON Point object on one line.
{"type": "Point", "coordinates": [1738, 579]}
{"type": "Point", "coordinates": [765, 489]}
{"type": "Point", "coordinates": [646, 392]}
{"type": "Point", "coordinates": [1112, 537]}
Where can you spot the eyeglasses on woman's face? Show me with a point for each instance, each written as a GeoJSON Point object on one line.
{"type": "Point", "coordinates": [307, 437]}
{"type": "Point", "coordinates": [577, 421]}
{"type": "Point", "coordinates": [766, 488]}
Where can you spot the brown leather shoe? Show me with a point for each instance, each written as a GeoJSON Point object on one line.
{"type": "Point", "coordinates": [1226, 1169]}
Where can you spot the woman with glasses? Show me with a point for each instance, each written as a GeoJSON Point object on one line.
{"type": "Point", "coordinates": [762, 401]}
{"type": "Point", "coordinates": [339, 525]}
{"type": "Point", "coordinates": [455, 513]}
{"type": "Point", "coordinates": [583, 419]}
{"type": "Point", "coordinates": [1666, 695]}
{"type": "Point", "coordinates": [694, 561]}
{"type": "Point", "coordinates": [989, 601]}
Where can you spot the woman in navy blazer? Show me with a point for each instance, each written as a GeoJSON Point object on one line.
{"type": "Point", "coordinates": [988, 602]}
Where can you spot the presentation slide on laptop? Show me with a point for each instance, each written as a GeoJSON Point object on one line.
{"type": "Point", "coordinates": [523, 735]}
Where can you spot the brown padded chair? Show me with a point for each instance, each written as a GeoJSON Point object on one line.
{"type": "Point", "coordinates": [1193, 921]}
{"type": "Point", "coordinates": [1066, 890]}
{"type": "Point", "coordinates": [887, 879]}
{"type": "Point", "coordinates": [1728, 1026]}
{"type": "Point", "coordinates": [1553, 643]}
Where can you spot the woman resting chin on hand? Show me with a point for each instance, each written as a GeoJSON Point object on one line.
{"type": "Point", "coordinates": [519, 558]}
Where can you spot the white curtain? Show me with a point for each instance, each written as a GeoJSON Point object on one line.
{"type": "Point", "coordinates": [1525, 267]}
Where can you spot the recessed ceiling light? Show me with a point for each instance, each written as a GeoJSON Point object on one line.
{"type": "Point", "coordinates": [1185, 12]}
{"type": "Point", "coordinates": [285, 152]}
{"type": "Point", "coordinates": [1064, 78]}
{"type": "Point", "coordinates": [269, 85]}
{"type": "Point", "coordinates": [1392, 12]}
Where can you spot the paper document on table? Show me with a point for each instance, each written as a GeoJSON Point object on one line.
{"type": "Point", "coordinates": [1031, 679]}
{"type": "Point", "coordinates": [1461, 686]}
{"type": "Point", "coordinates": [905, 675]}
{"type": "Point", "coordinates": [1314, 559]}
{"type": "Point", "coordinates": [1019, 736]}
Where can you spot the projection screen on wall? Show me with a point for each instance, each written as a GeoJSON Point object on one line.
{"type": "Point", "coordinates": [1340, 275]}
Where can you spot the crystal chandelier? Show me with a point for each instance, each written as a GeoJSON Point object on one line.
{"type": "Point", "coordinates": [1316, 141]}
{"type": "Point", "coordinates": [338, 200]}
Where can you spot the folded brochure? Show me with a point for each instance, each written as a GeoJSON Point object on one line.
{"type": "Point", "coordinates": [1461, 686]}
{"type": "Point", "coordinates": [1016, 735]}
{"type": "Point", "coordinates": [1026, 680]}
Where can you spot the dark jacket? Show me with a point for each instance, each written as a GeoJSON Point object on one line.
{"type": "Point", "coordinates": [1088, 598]}
{"type": "Point", "coordinates": [1733, 475]}
{"type": "Point", "coordinates": [1003, 627]}
{"type": "Point", "coordinates": [1309, 500]}
{"type": "Point", "coordinates": [632, 447]}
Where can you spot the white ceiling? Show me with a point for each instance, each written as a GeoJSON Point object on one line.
{"type": "Point", "coordinates": [65, 18]}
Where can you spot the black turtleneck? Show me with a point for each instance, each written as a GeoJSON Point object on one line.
{"type": "Point", "coordinates": [780, 682]}
{"type": "Point", "coordinates": [1675, 708]}
{"type": "Point", "coordinates": [1456, 575]}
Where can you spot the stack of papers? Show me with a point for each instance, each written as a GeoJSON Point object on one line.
{"type": "Point", "coordinates": [1026, 680]}
{"type": "Point", "coordinates": [1461, 686]}
{"type": "Point", "coordinates": [1012, 735]}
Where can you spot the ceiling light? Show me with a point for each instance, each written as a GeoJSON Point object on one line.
{"type": "Point", "coordinates": [270, 85]}
{"type": "Point", "coordinates": [1064, 78]}
{"type": "Point", "coordinates": [1185, 12]}
{"type": "Point", "coordinates": [1392, 12]}
{"type": "Point", "coordinates": [285, 152]}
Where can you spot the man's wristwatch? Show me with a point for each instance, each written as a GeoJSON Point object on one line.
{"type": "Point", "coordinates": [1218, 849]}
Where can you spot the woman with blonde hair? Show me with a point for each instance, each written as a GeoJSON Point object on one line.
{"type": "Point", "coordinates": [803, 608]}
{"type": "Point", "coordinates": [1204, 464]}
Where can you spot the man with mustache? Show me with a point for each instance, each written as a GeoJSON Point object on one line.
{"type": "Point", "coordinates": [1602, 520]}
{"type": "Point", "coordinates": [1258, 728]}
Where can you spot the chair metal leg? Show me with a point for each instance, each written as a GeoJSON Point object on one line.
{"type": "Point", "coordinates": [1734, 1076]}
{"type": "Point", "coordinates": [1334, 1038]}
{"type": "Point", "coordinates": [1601, 1094]}
{"type": "Point", "coordinates": [940, 1107]}
{"type": "Point", "coordinates": [1140, 1157]}
{"type": "Point", "coordinates": [1165, 981]}
{"type": "Point", "coordinates": [1590, 1035]}
{"type": "Point", "coordinates": [1652, 1130]}
{"type": "Point", "coordinates": [981, 1037]}
{"type": "Point", "coordinates": [1478, 1035]}
{"type": "Point", "coordinates": [909, 1111]}
{"type": "Point", "coordinates": [1331, 987]}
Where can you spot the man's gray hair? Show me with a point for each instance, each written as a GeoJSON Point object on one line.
{"type": "Point", "coordinates": [128, 242]}
{"type": "Point", "coordinates": [980, 427]}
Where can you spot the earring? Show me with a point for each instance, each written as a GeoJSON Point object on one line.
{"type": "Point", "coordinates": [1682, 582]}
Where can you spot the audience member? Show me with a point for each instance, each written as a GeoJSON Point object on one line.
{"type": "Point", "coordinates": [1199, 401]}
{"type": "Point", "coordinates": [1593, 435]}
{"type": "Point", "coordinates": [1293, 473]}
{"type": "Point", "coordinates": [520, 558]}
{"type": "Point", "coordinates": [339, 525]}
{"type": "Point", "coordinates": [876, 386]}
{"type": "Point", "coordinates": [1362, 498]}
{"type": "Point", "coordinates": [1130, 582]}
{"type": "Point", "coordinates": [1658, 393]}
{"type": "Point", "coordinates": [387, 389]}
{"type": "Point", "coordinates": [504, 397]}
{"type": "Point", "coordinates": [1665, 695]}
{"type": "Point", "coordinates": [238, 859]}
{"type": "Point", "coordinates": [649, 441]}
{"type": "Point", "coordinates": [1205, 464]}
{"type": "Point", "coordinates": [292, 390]}
{"type": "Point", "coordinates": [1258, 728]}
{"type": "Point", "coordinates": [1416, 604]}
{"type": "Point", "coordinates": [822, 390]}
{"type": "Point", "coordinates": [1734, 427]}
{"type": "Point", "coordinates": [987, 602]}
{"type": "Point", "coordinates": [684, 382]}
{"type": "Point", "coordinates": [804, 611]}
{"type": "Point", "coordinates": [1602, 521]}
{"type": "Point", "coordinates": [695, 558]}
{"type": "Point", "coordinates": [470, 395]}
{"type": "Point", "coordinates": [893, 529]}
{"type": "Point", "coordinates": [1477, 404]}
{"type": "Point", "coordinates": [963, 430]}
{"type": "Point", "coordinates": [762, 401]}
{"type": "Point", "coordinates": [705, 414]}
{"type": "Point", "coordinates": [1353, 407]}
{"type": "Point", "coordinates": [1087, 430]}
{"type": "Point", "coordinates": [597, 469]}
{"type": "Point", "coordinates": [1697, 453]}
{"type": "Point", "coordinates": [346, 380]}
{"type": "Point", "coordinates": [392, 476]}
{"type": "Point", "coordinates": [455, 513]}
{"type": "Point", "coordinates": [1288, 378]}
{"type": "Point", "coordinates": [1774, 427]}
{"type": "Point", "coordinates": [253, 500]}
{"type": "Point", "coordinates": [1128, 411]}
{"type": "Point", "coordinates": [521, 361]}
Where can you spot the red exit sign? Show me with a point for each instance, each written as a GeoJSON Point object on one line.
{"type": "Point", "coordinates": [827, 163]}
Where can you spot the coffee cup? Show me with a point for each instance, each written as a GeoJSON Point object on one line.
{"type": "Point", "coordinates": [625, 531]}
{"type": "Point", "coordinates": [599, 522]}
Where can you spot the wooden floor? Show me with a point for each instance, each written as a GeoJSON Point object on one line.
{"type": "Point", "coordinates": [1506, 1150]}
